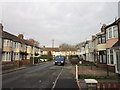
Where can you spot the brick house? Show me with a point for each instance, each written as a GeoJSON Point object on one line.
{"type": "Point", "coordinates": [116, 48]}
{"type": "Point", "coordinates": [16, 48]}
{"type": "Point", "coordinates": [101, 47]}
{"type": "Point", "coordinates": [112, 37]}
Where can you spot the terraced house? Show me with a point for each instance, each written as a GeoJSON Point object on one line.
{"type": "Point", "coordinates": [104, 48]}
{"type": "Point", "coordinates": [113, 45]}
{"type": "Point", "coordinates": [16, 48]}
{"type": "Point", "coordinates": [101, 47]}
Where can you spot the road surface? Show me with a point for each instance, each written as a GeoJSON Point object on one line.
{"type": "Point", "coordinates": [45, 76]}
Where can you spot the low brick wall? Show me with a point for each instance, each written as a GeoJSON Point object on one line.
{"type": "Point", "coordinates": [101, 65]}
{"type": "Point", "coordinates": [86, 62]}
{"type": "Point", "coordinates": [111, 68]}
{"type": "Point", "coordinates": [27, 61]}
{"type": "Point", "coordinates": [12, 64]}
{"type": "Point", "coordinates": [8, 65]}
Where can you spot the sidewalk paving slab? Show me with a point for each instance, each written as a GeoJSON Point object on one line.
{"type": "Point", "coordinates": [67, 79]}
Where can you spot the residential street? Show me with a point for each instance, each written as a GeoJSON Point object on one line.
{"type": "Point", "coordinates": [40, 76]}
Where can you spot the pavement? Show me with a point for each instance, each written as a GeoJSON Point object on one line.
{"type": "Point", "coordinates": [13, 69]}
{"type": "Point", "coordinates": [20, 68]}
{"type": "Point", "coordinates": [66, 79]}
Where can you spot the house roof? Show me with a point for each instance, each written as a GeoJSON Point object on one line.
{"type": "Point", "coordinates": [50, 49]}
{"type": "Point", "coordinates": [111, 43]}
{"type": "Point", "coordinates": [57, 49]}
{"type": "Point", "coordinates": [14, 38]}
{"type": "Point", "coordinates": [114, 23]}
{"type": "Point", "coordinates": [100, 33]}
{"type": "Point", "coordinates": [117, 44]}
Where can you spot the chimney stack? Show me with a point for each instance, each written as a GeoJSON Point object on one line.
{"type": "Point", "coordinates": [103, 28]}
{"type": "Point", "coordinates": [43, 46]}
{"type": "Point", "coordinates": [32, 40]}
{"type": "Point", "coordinates": [21, 36]}
{"type": "Point", "coordinates": [93, 37]}
{"type": "Point", "coordinates": [1, 27]}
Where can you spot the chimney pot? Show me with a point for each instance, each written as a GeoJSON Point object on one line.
{"type": "Point", "coordinates": [21, 36]}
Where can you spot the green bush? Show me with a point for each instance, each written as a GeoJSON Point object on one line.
{"type": "Point", "coordinates": [73, 56]}
{"type": "Point", "coordinates": [35, 59]}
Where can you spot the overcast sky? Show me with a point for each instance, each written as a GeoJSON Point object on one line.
{"type": "Point", "coordinates": [65, 22]}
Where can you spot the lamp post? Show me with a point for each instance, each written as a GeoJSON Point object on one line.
{"type": "Point", "coordinates": [1, 40]}
{"type": "Point", "coordinates": [33, 52]}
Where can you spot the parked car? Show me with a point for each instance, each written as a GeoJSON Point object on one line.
{"type": "Point", "coordinates": [44, 60]}
{"type": "Point", "coordinates": [74, 59]}
{"type": "Point", "coordinates": [59, 60]}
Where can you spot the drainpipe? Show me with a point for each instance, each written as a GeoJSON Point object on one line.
{"type": "Point", "coordinates": [118, 31]}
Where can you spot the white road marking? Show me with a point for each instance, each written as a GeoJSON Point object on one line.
{"type": "Point", "coordinates": [56, 80]}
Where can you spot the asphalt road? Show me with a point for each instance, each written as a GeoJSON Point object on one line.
{"type": "Point", "coordinates": [45, 76]}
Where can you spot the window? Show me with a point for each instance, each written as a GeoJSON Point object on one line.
{"type": "Point", "coordinates": [110, 32]}
{"type": "Point", "coordinates": [99, 40]}
{"type": "Point", "coordinates": [118, 60]}
{"type": "Point", "coordinates": [111, 56]}
{"type": "Point", "coordinates": [102, 57]}
{"type": "Point", "coordinates": [103, 39]}
{"type": "Point", "coordinates": [5, 44]}
{"type": "Point", "coordinates": [15, 45]}
{"type": "Point", "coordinates": [115, 32]}
{"type": "Point", "coordinates": [107, 34]}
{"type": "Point", "coordinates": [3, 56]}
{"type": "Point", "coordinates": [108, 62]}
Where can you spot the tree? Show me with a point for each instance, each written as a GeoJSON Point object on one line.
{"type": "Point", "coordinates": [67, 47]}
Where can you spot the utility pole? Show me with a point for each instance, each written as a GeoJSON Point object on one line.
{"type": "Point", "coordinates": [1, 30]}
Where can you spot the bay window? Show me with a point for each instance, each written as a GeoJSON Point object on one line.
{"type": "Point", "coordinates": [115, 32]}
{"type": "Point", "coordinates": [110, 56]}
{"type": "Point", "coordinates": [112, 32]}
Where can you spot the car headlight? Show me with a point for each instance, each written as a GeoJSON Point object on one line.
{"type": "Point", "coordinates": [55, 61]}
{"type": "Point", "coordinates": [61, 61]}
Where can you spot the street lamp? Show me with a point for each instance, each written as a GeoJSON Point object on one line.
{"type": "Point", "coordinates": [33, 52]}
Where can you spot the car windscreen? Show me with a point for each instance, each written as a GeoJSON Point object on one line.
{"type": "Point", "coordinates": [59, 57]}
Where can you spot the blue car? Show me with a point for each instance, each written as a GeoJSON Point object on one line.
{"type": "Point", "coordinates": [59, 60]}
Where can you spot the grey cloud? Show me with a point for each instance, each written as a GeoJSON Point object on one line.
{"type": "Point", "coordinates": [70, 22]}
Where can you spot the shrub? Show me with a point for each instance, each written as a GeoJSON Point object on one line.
{"type": "Point", "coordinates": [35, 59]}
